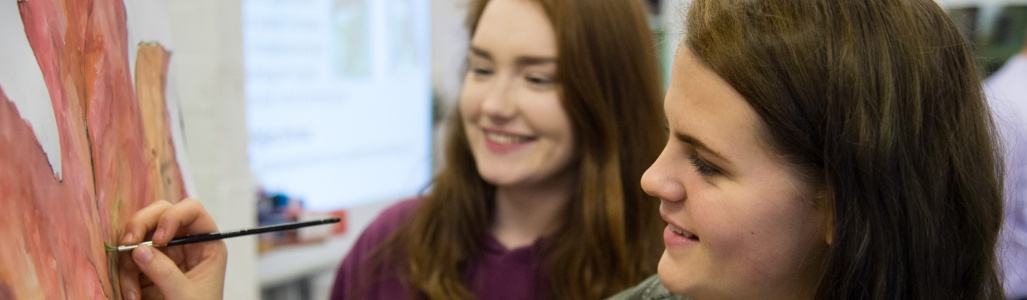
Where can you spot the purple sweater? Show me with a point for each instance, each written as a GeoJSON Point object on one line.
{"type": "Point", "coordinates": [499, 273]}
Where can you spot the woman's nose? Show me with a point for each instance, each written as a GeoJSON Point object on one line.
{"type": "Point", "coordinates": [499, 102]}
{"type": "Point", "coordinates": [663, 180]}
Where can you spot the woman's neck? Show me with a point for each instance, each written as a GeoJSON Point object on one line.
{"type": "Point", "coordinates": [524, 214]}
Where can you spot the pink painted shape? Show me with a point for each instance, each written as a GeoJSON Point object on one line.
{"type": "Point", "coordinates": [55, 230]}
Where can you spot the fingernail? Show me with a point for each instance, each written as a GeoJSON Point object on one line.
{"type": "Point", "coordinates": [158, 234]}
{"type": "Point", "coordinates": [128, 239]}
{"type": "Point", "coordinates": [131, 296]}
{"type": "Point", "coordinates": [142, 254]}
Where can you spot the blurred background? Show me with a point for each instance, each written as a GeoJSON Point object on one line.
{"type": "Point", "coordinates": [304, 109]}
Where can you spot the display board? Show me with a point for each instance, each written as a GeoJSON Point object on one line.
{"type": "Point", "coordinates": [338, 99]}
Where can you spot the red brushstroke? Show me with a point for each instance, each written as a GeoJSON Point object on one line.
{"type": "Point", "coordinates": [112, 116]}
{"type": "Point", "coordinates": [54, 229]}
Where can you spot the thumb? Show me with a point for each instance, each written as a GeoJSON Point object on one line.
{"type": "Point", "coordinates": [161, 270]}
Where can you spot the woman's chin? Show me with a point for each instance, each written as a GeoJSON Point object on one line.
{"type": "Point", "coordinates": [672, 275]}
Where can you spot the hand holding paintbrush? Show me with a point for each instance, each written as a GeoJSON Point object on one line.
{"type": "Point", "coordinates": [196, 261]}
{"type": "Point", "coordinates": [193, 271]}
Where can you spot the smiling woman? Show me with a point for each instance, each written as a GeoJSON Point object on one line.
{"type": "Point", "coordinates": [518, 132]}
{"type": "Point", "coordinates": [558, 117]}
{"type": "Point", "coordinates": [832, 149]}
{"type": "Point", "coordinates": [743, 219]}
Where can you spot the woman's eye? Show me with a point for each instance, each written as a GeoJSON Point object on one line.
{"type": "Point", "coordinates": [540, 81]}
{"type": "Point", "coordinates": [702, 167]}
{"type": "Point", "coordinates": [481, 71]}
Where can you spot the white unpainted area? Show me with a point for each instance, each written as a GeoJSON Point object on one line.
{"type": "Point", "coordinates": [22, 81]}
{"type": "Point", "coordinates": [147, 22]}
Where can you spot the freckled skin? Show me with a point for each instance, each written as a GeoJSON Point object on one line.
{"type": "Point", "coordinates": [55, 229]}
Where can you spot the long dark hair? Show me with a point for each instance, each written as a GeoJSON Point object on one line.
{"type": "Point", "coordinates": [609, 238]}
{"type": "Point", "coordinates": [880, 101]}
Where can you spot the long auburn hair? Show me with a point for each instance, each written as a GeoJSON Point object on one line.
{"type": "Point", "coordinates": [609, 238]}
{"type": "Point", "coordinates": [880, 100]}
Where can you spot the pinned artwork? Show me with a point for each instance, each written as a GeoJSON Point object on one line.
{"type": "Point", "coordinates": [86, 139]}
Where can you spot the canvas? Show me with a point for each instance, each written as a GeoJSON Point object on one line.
{"type": "Point", "coordinates": [81, 150]}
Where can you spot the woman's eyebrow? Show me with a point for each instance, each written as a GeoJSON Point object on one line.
{"type": "Point", "coordinates": [480, 53]}
{"type": "Point", "coordinates": [525, 61]}
{"type": "Point", "coordinates": [691, 140]}
{"type": "Point", "coordinates": [521, 61]}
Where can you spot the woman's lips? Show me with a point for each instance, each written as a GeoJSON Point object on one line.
{"type": "Point", "coordinates": [682, 232]}
{"type": "Point", "coordinates": [674, 237]}
{"type": "Point", "coordinates": [502, 142]}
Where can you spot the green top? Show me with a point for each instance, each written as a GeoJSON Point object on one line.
{"type": "Point", "coordinates": [648, 289]}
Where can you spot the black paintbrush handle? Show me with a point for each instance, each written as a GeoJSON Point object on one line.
{"type": "Point", "coordinates": [224, 235]}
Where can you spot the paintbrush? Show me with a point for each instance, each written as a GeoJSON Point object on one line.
{"type": "Point", "coordinates": [189, 239]}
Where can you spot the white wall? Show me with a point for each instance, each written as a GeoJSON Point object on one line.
{"type": "Point", "coordinates": [207, 74]}
{"type": "Point", "coordinates": [449, 46]}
